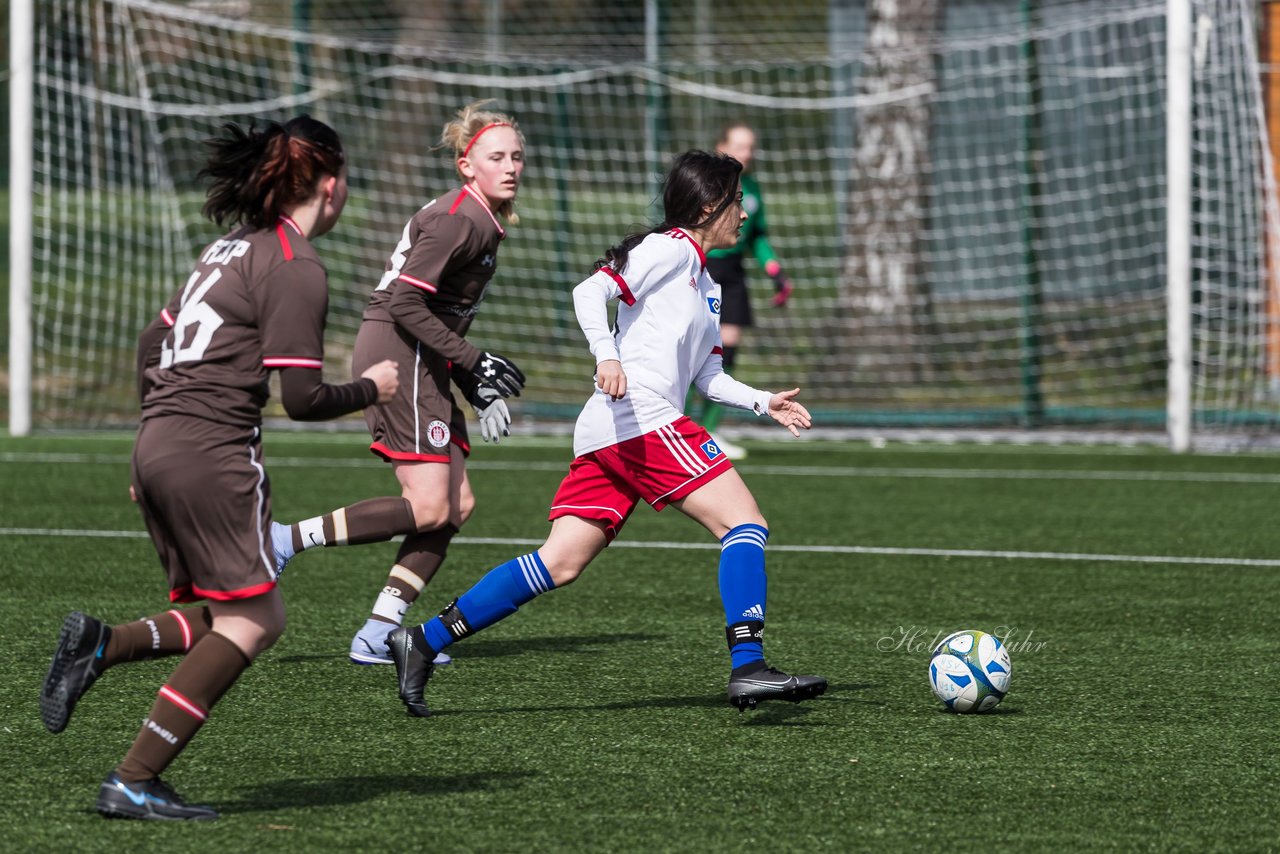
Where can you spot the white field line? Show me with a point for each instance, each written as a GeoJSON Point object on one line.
{"type": "Point", "coordinates": [812, 549]}
{"type": "Point", "coordinates": [748, 468]}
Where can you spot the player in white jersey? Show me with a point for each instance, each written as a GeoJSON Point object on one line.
{"type": "Point", "coordinates": [667, 337]}
{"type": "Point", "coordinates": [633, 442]}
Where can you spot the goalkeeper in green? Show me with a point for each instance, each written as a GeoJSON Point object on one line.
{"type": "Point", "coordinates": [738, 140]}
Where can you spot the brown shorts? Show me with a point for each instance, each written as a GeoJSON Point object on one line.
{"type": "Point", "coordinates": [423, 418]}
{"type": "Point", "coordinates": [206, 501]}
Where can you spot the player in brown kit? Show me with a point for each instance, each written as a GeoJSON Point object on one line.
{"type": "Point", "coordinates": [419, 315]}
{"type": "Point", "coordinates": [256, 302]}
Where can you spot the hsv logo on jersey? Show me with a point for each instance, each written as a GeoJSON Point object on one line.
{"type": "Point", "coordinates": [714, 304]}
{"type": "Point", "coordinates": [711, 449]}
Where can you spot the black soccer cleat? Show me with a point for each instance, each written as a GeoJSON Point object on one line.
{"type": "Point", "coordinates": [413, 669]}
{"type": "Point", "coordinates": [150, 799]}
{"type": "Point", "coordinates": [756, 682]}
{"type": "Point", "coordinates": [77, 663]}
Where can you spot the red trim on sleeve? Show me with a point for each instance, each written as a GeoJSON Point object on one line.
{"type": "Point", "coordinates": [622, 284]}
{"type": "Point", "coordinates": [418, 283]}
{"type": "Point", "coordinates": [291, 362]}
{"type": "Point", "coordinates": [717, 351]}
{"type": "Point", "coordinates": [284, 241]}
{"type": "Point", "coordinates": [166, 317]}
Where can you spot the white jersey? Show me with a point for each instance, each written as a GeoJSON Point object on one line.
{"type": "Point", "coordinates": [667, 337]}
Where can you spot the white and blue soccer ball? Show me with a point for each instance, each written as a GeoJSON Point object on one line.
{"type": "Point", "coordinates": [969, 671]}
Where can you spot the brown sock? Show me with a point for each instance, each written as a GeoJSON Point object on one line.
{"type": "Point", "coordinates": [182, 706]}
{"type": "Point", "coordinates": [373, 521]}
{"type": "Point", "coordinates": [417, 561]}
{"type": "Point", "coordinates": [171, 633]}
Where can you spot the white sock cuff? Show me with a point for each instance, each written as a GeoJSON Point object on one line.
{"type": "Point", "coordinates": [390, 607]}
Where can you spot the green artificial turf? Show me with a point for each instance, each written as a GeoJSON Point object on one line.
{"type": "Point", "coordinates": [1140, 717]}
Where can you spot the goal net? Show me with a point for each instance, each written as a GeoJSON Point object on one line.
{"type": "Point", "coordinates": [970, 197]}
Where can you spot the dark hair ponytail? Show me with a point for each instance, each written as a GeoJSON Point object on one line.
{"type": "Point", "coordinates": [256, 175]}
{"type": "Point", "coordinates": [698, 180]}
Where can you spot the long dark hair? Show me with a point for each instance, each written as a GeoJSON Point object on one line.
{"type": "Point", "coordinates": [698, 180]}
{"type": "Point", "coordinates": [256, 175]}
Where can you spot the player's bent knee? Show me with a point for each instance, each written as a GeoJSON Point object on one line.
{"type": "Point", "coordinates": [252, 637]}
{"type": "Point", "coordinates": [562, 569]}
{"type": "Point", "coordinates": [270, 635]}
{"type": "Point", "coordinates": [428, 517]}
{"type": "Point", "coordinates": [465, 508]}
{"type": "Point", "coordinates": [732, 522]}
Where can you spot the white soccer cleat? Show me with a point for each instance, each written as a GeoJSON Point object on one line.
{"type": "Point", "coordinates": [282, 545]}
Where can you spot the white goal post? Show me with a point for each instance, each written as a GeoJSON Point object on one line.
{"type": "Point", "coordinates": [1048, 215]}
{"type": "Point", "coordinates": [21, 112]}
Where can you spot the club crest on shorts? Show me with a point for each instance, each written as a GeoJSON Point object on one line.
{"type": "Point", "coordinates": [714, 304]}
{"type": "Point", "coordinates": [711, 449]}
{"type": "Point", "coordinates": [438, 434]}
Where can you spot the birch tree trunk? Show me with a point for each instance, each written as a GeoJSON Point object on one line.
{"type": "Point", "coordinates": [885, 293]}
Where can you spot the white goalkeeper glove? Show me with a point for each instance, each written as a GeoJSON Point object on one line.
{"type": "Point", "coordinates": [491, 409]}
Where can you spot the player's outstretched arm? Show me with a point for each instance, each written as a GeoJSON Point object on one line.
{"type": "Point", "coordinates": [789, 412]}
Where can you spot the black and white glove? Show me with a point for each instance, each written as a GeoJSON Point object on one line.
{"type": "Point", "coordinates": [491, 409]}
{"type": "Point", "coordinates": [499, 373]}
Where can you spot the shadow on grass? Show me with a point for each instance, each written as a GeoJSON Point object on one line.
{"type": "Point", "coordinates": [479, 648]}
{"type": "Point", "coordinates": [997, 712]}
{"type": "Point", "coordinates": [499, 648]}
{"type": "Point", "coordinates": [770, 713]}
{"type": "Point", "coordinates": [294, 794]}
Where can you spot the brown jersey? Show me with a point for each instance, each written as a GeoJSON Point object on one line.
{"type": "Point", "coordinates": [438, 274]}
{"type": "Point", "coordinates": [257, 300]}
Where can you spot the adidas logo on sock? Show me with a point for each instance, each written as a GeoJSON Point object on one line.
{"type": "Point", "coordinates": [755, 612]}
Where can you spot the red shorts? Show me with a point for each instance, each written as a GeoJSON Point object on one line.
{"type": "Point", "coordinates": [662, 466]}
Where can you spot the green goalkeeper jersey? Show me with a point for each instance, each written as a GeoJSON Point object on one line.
{"type": "Point", "coordinates": [754, 234]}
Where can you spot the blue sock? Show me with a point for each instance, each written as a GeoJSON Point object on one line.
{"type": "Point", "coordinates": [742, 588]}
{"type": "Point", "coordinates": [503, 589]}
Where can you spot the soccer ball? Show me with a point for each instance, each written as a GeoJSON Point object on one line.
{"type": "Point", "coordinates": [969, 671]}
